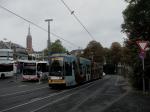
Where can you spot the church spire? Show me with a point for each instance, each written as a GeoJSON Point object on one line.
{"type": "Point", "coordinates": [29, 30]}
{"type": "Point", "coordinates": [29, 41]}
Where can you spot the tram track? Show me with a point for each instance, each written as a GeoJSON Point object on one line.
{"type": "Point", "coordinates": [52, 98]}
{"type": "Point", "coordinates": [20, 88]}
{"type": "Point", "coordinates": [21, 92]}
{"type": "Point", "coordinates": [95, 94]}
{"type": "Point", "coordinates": [75, 99]}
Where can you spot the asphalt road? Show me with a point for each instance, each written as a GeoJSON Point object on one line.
{"type": "Point", "coordinates": [96, 96]}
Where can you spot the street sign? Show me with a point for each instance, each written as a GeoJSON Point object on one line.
{"type": "Point", "coordinates": [142, 55]}
{"type": "Point", "coordinates": [142, 45]}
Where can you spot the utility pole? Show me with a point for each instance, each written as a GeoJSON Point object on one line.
{"type": "Point", "coordinates": [143, 75]}
{"type": "Point", "coordinates": [49, 41]}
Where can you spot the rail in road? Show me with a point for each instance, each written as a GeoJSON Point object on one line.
{"type": "Point", "coordinates": [94, 96]}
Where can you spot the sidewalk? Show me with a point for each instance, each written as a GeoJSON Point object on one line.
{"type": "Point", "coordinates": [132, 102]}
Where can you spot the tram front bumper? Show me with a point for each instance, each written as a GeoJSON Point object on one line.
{"type": "Point", "coordinates": [56, 81]}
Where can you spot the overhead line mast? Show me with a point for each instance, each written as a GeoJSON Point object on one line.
{"type": "Point", "coordinates": [71, 43]}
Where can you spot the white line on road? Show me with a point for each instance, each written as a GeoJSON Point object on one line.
{"type": "Point", "coordinates": [116, 83]}
{"type": "Point", "coordinates": [22, 92]}
{"type": "Point", "coordinates": [55, 101]}
{"type": "Point", "coordinates": [22, 85]}
{"type": "Point", "coordinates": [38, 99]}
{"type": "Point", "coordinates": [13, 87]}
{"type": "Point", "coordinates": [62, 98]}
{"type": "Point", "coordinates": [116, 100]}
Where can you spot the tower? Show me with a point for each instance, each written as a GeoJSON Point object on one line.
{"type": "Point", "coordinates": [29, 41]}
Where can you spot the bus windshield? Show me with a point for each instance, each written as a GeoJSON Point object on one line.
{"type": "Point", "coordinates": [56, 68]}
{"type": "Point", "coordinates": [6, 67]}
{"type": "Point", "coordinates": [29, 69]}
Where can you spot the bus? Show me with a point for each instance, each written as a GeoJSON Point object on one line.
{"type": "Point", "coordinates": [6, 68]}
{"type": "Point", "coordinates": [6, 54]}
{"type": "Point", "coordinates": [34, 70]}
{"type": "Point", "coordinates": [70, 70]}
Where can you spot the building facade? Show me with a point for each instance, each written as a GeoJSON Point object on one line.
{"type": "Point", "coordinates": [12, 51]}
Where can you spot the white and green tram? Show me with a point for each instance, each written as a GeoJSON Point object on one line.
{"type": "Point", "coordinates": [69, 70]}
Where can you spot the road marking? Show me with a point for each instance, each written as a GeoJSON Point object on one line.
{"type": "Point", "coordinates": [22, 85]}
{"type": "Point", "coordinates": [13, 87]}
{"type": "Point", "coordinates": [22, 92]}
{"type": "Point", "coordinates": [38, 99]}
{"type": "Point", "coordinates": [55, 101]}
{"type": "Point", "coordinates": [116, 83]}
{"type": "Point", "coordinates": [54, 94]}
{"type": "Point", "coordinates": [116, 100]}
{"type": "Point", "coordinates": [35, 99]}
{"type": "Point", "coordinates": [62, 98]}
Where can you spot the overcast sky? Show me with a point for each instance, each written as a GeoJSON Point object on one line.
{"type": "Point", "coordinates": [102, 18]}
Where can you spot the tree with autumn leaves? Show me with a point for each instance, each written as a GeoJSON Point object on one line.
{"type": "Point", "coordinates": [137, 27]}
{"type": "Point", "coordinates": [94, 52]}
{"type": "Point", "coordinates": [114, 55]}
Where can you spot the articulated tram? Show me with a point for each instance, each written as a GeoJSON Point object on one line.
{"type": "Point", "coordinates": [69, 70]}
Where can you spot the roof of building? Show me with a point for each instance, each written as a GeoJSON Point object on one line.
{"type": "Point", "coordinates": [10, 45]}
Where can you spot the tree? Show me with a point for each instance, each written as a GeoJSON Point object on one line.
{"type": "Point", "coordinates": [107, 55]}
{"type": "Point", "coordinates": [137, 20]}
{"type": "Point", "coordinates": [126, 56]}
{"type": "Point", "coordinates": [56, 47]}
{"type": "Point", "coordinates": [137, 26]}
{"type": "Point", "coordinates": [115, 53]}
{"type": "Point", "coordinates": [94, 51]}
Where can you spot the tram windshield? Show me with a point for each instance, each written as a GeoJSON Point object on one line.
{"type": "Point", "coordinates": [42, 67]}
{"type": "Point", "coordinates": [29, 69]}
{"type": "Point", "coordinates": [56, 68]}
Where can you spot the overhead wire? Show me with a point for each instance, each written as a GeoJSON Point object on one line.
{"type": "Point", "coordinates": [38, 26]}
{"type": "Point", "coordinates": [73, 13]}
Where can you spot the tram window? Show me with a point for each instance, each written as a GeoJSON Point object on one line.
{"type": "Point", "coordinates": [88, 69]}
{"type": "Point", "coordinates": [68, 69]}
{"type": "Point", "coordinates": [56, 66]}
{"type": "Point", "coordinates": [80, 67]}
{"type": "Point", "coordinates": [42, 67]}
{"type": "Point", "coordinates": [39, 68]}
{"type": "Point", "coordinates": [75, 67]}
{"type": "Point", "coordinates": [84, 70]}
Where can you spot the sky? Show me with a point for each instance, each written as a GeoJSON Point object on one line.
{"type": "Point", "coordinates": [102, 18]}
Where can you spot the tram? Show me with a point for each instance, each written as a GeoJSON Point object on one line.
{"type": "Point", "coordinates": [69, 70]}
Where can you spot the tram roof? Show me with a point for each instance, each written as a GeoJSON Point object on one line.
{"type": "Point", "coordinates": [31, 61]}
{"type": "Point", "coordinates": [62, 55]}
{"type": "Point", "coordinates": [84, 60]}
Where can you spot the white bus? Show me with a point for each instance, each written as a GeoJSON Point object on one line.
{"type": "Point", "coordinates": [7, 68]}
{"type": "Point", "coordinates": [35, 70]}
{"type": "Point", "coordinates": [6, 54]}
